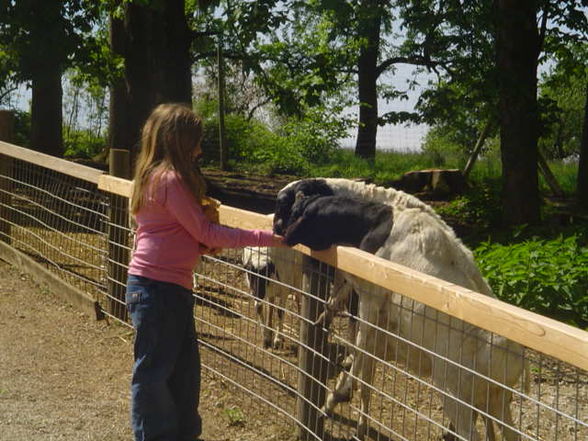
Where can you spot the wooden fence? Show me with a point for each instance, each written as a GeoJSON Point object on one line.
{"type": "Point", "coordinates": [103, 294]}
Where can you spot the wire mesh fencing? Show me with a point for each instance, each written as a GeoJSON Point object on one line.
{"type": "Point", "coordinates": [321, 354]}
{"type": "Point", "coordinates": [383, 366]}
{"type": "Point", "coordinates": [58, 220]}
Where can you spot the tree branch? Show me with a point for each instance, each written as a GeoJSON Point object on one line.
{"type": "Point", "coordinates": [417, 60]}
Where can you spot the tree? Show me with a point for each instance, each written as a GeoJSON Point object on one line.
{"type": "Point", "coordinates": [307, 54]}
{"type": "Point", "coordinates": [517, 50]}
{"type": "Point", "coordinates": [154, 40]}
{"type": "Point", "coordinates": [45, 39]}
{"type": "Point", "coordinates": [582, 185]}
{"type": "Point", "coordinates": [490, 52]}
{"type": "Point", "coordinates": [562, 102]}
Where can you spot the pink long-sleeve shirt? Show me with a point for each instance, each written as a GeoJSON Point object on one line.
{"type": "Point", "coordinates": [171, 229]}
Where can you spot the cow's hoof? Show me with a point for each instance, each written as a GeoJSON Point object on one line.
{"type": "Point", "coordinates": [447, 436]}
{"type": "Point", "coordinates": [347, 362]}
{"type": "Point", "coordinates": [328, 412]}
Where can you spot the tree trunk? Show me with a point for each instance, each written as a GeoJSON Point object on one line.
{"type": "Point", "coordinates": [368, 29]}
{"type": "Point", "coordinates": [139, 69]}
{"type": "Point", "coordinates": [517, 46]}
{"type": "Point", "coordinates": [582, 184]}
{"type": "Point", "coordinates": [155, 42]}
{"type": "Point", "coordinates": [177, 62]}
{"type": "Point", "coordinates": [477, 149]}
{"type": "Point", "coordinates": [119, 130]}
{"type": "Point", "coordinates": [46, 110]}
{"type": "Point", "coordinates": [44, 58]}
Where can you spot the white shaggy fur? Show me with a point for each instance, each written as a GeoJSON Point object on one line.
{"type": "Point", "coordinates": [421, 240]}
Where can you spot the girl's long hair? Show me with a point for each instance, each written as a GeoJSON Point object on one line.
{"type": "Point", "coordinates": [169, 137]}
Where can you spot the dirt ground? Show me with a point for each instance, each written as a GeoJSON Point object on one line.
{"type": "Point", "coordinates": [65, 376]}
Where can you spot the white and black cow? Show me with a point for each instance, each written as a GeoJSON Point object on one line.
{"type": "Point", "coordinates": [400, 228]}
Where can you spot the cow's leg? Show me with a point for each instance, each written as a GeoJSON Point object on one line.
{"type": "Point", "coordinates": [343, 388]}
{"type": "Point", "coordinates": [340, 293]}
{"type": "Point", "coordinates": [268, 326]}
{"type": "Point", "coordinates": [262, 310]}
{"type": "Point", "coordinates": [345, 382]}
{"type": "Point", "coordinates": [500, 409]}
{"type": "Point", "coordinates": [366, 377]}
{"type": "Point", "coordinates": [462, 418]}
{"type": "Point", "coordinates": [490, 435]}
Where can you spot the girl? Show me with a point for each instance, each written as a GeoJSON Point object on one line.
{"type": "Point", "coordinates": [172, 233]}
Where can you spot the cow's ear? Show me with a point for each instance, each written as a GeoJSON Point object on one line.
{"type": "Point", "coordinates": [299, 196]}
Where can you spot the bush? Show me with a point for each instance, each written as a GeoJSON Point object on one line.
{"type": "Point", "coordinates": [549, 277]}
{"type": "Point", "coordinates": [82, 144]}
{"type": "Point", "coordinates": [22, 128]}
{"type": "Point", "coordinates": [442, 151]}
{"type": "Point", "coordinates": [479, 206]}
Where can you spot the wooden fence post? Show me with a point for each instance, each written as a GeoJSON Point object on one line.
{"type": "Point", "coordinates": [6, 171]}
{"type": "Point", "coordinates": [312, 361]}
{"type": "Point", "coordinates": [118, 237]}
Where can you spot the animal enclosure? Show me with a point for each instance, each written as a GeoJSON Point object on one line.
{"type": "Point", "coordinates": [69, 223]}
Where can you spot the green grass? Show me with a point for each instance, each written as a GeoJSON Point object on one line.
{"type": "Point", "coordinates": [565, 174]}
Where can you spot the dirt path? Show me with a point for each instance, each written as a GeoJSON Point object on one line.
{"type": "Point", "coordinates": [65, 376]}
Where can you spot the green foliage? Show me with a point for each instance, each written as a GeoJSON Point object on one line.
{"type": "Point", "coordinates": [563, 98]}
{"type": "Point", "coordinates": [387, 167]}
{"type": "Point", "coordinates": [22, 128]}
{"type": "Point", "coordinates": [83, 144]}
{"type": "Point", "coordinates": [292, 148]}
{"type": "Point", "coordinates": [443, 149]}
{"type": "Point", "coordinates": [480, 206]}
{"type": "Point", "coordinates": [549, 277]}
{"type": "Point", "coordinates": [566, 174]}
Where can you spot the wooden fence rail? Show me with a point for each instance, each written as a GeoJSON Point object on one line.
{"type": "Point", "coordinates": [536, 332]}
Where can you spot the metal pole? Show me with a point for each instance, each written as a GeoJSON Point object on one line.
{"type": "Point", "coordinates": [312, 362]}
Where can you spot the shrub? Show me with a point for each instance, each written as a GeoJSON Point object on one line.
{"type": "Point", "coordinates": [22, 128]}
{"type": "Point", "coordinates": [546, 276]}
{"type": "Point", "coordinates": [479, 206]}
{"type": "Point", "coordinates": [82, 144]}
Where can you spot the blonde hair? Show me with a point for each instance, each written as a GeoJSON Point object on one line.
{"type": "Point", "coordinates": [169, 137]}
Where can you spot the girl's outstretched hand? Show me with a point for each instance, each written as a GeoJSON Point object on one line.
{"type": "Point", "coordinates": [278, 241]}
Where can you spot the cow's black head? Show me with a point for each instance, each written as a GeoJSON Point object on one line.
{"type": "Point", "coordinates": [287, 197]}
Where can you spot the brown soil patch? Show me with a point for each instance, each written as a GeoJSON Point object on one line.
{"type": "Point", "coordinates": [65, 376]}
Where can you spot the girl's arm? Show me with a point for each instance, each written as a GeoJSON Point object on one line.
{"type": "Point", "coordinates": [180, 203]}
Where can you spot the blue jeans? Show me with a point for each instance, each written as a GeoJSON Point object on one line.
{"type": "Point", "coordinates": [166, 374]}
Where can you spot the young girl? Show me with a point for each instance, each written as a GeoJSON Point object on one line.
{"type": "Point", "coordinates": [172, 233]}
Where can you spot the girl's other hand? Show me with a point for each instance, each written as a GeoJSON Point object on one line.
{"type": "Point", "coordinates": [210, 251]}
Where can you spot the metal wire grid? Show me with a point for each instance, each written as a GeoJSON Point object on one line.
{"type": "Point", "coordinates": [230, 335]}
{"type": "Point", "coordinates": [120, 242]}
{"type": "Point", "coordinates": [57, 220]}
{"type": "Point", "coordinates": [406, 404]}
{"type": "Point", "coordinates": [77, 232]}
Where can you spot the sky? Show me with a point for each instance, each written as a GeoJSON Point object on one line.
{"type": "Point", "coordinates": [398, 137]}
